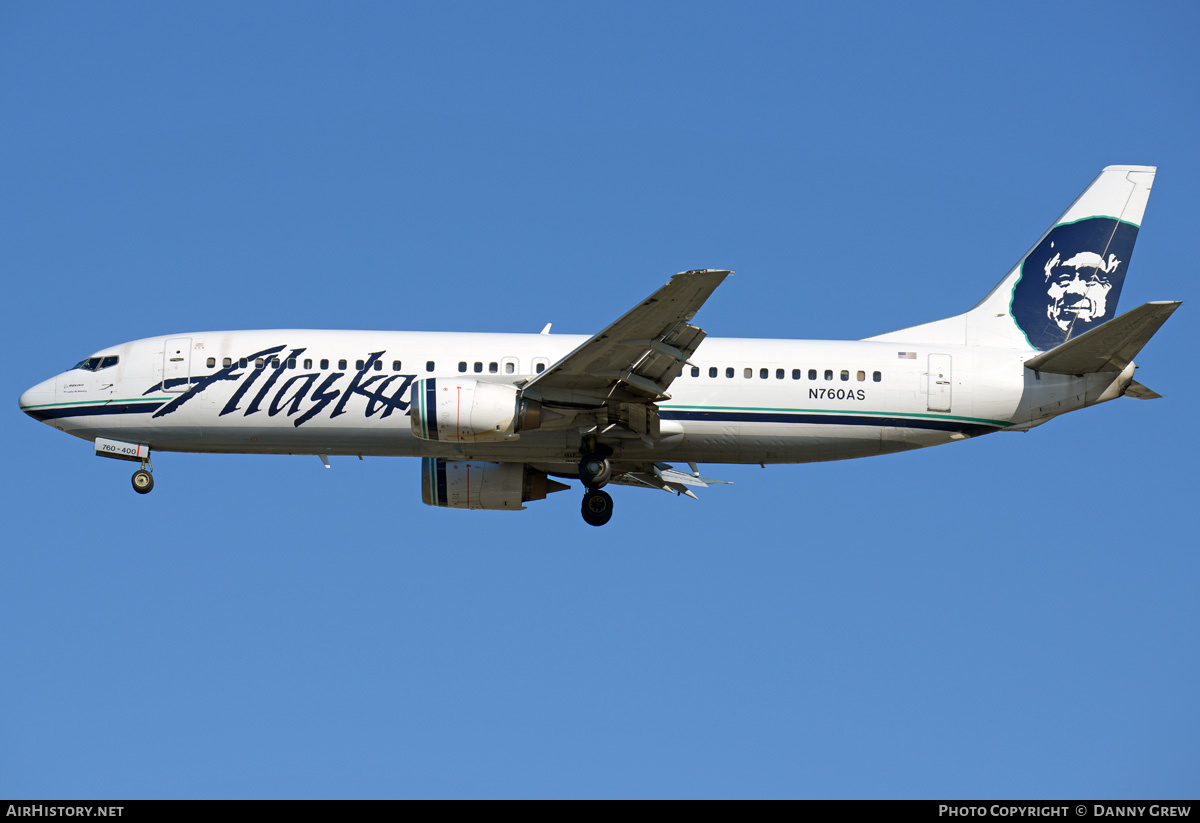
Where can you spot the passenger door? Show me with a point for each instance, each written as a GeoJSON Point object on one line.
{"type": "Point", "coordinates": [939, 382]}
{"type": "Point", "coordinates": [177, 364]}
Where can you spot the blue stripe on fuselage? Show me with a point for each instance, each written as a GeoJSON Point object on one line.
{"type": "Point", "coordinates": [90, 411]}
{"type": "Point", "coordinates": [832, 419]}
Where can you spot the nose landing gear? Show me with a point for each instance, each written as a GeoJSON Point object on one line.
{"type": "Point", "coordinates": [143, 480]}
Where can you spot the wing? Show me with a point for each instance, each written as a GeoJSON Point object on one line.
{"type": "Point", "coordinates": [635, 359]}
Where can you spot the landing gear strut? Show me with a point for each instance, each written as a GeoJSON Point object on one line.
{"type": "Point", "coordinates": [597, 507]}
{"type": "Point", "coordinates": [143, 480]}
{"type": "Point", "coordinates": [594, 472]}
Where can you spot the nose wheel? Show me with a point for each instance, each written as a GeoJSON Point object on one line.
{"type": "Point", "coordinates": [597, 507]}
{"type": "Point", "coordinates": [143, 480]}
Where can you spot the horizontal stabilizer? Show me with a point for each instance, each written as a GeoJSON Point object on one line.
{"type": "Point", "coordinates": [1140, 392]}
{"type": "Point", "coordinates": [1110, 347]}
{"type": "Point", "coordinates": [672, 475]}
{"type": "Point", "coordinates": [664, 476]}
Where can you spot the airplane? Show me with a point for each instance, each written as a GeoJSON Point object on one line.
{"type": "Point", "coordinates": [501, 419]}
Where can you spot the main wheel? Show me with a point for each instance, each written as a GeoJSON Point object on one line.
{"type": "Point", "coordinates": [597, 507]}
{"type": "Point", "coordinates": [143, 481]}
{"type": "Point", "coordinates": [595, 471]}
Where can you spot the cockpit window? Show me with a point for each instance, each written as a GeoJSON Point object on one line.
{"type": "Point", "coordinates": [96, 363]}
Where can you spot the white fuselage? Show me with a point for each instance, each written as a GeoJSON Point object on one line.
{"type": "Point", "coordinates": [743, 401]}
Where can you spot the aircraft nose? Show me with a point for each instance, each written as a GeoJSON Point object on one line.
{"type": "Point", "coordinates": [37, 398]}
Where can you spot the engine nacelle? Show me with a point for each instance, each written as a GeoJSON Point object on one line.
{"type": "Point", "coordinates": [470, 410]}
{"type": "Point", "coordinates": [475, 484]}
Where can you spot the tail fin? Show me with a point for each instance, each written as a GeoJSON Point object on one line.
{"type": "Point", "coordinates": [1068, 283]}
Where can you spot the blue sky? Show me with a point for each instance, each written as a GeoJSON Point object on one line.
{"type": "Point", "coordinates": [1012, 616]}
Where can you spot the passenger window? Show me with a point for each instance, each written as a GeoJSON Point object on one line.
{"type": "Point", "coordinates": [712, 371]}
{"type": "Point", "coordinates": [378, 365]}
{"type": "Point", "coordinates": [358, 364]}
{"type": "Point", "coordinates": [227, 362]}
{"type": "Point", "coordinates": [212, 362]}
{"type": "Point", "coordinates": [395, 365]}
{"type": "Point", "coordinates": [308, 362]}
{"type": "Point", "coordinates": [748, 373]}
{"type": "Point", "coordinates": [462, 365]}
{"type": "Point", "coordinates": [242, 363]}
{"type": "Point", "coordinates": [795, 374]}
{"type": "Point", "coordinates": [258, 364]}
{"type": "Point", "coordinates": [324, 364]}
{"type": "Point", "coordinates": [763, 374]}
{"type": "Point", "coordinates": [478, 367]}
{"type": "Point", "coordinates": [510, 367]}
{"type": "Point", "coordinates": [876, 376]}
{"type": "Point", "coordinates": [429, 365]}
{"type": "Point", "coordinates": [729, 371]}
{"type": "Point", "coordinates": [695, 371]}
{"type": "Point", "coordinates": [274, 362]}
{"type": "Point", "coordinates": [493, 368]}
{"type": "Point", "coordinates": [862, 375]}
{"type": "Point", "coordinates": [812, 374]}
{"type": "Point", "coordinates": [829, 374]}
{"type": "Point", "coordinates": [779, 374]}
{"type": "Point", "coordinates": [541, 367]}
{"type": "Point", "coordinates": [341, 365]}
{"type": "Point", "coordinates": [845, 374]}
{"type": "Point", "coordinates": [291, 362]}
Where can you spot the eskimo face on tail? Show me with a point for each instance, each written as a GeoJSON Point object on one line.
{"type": "Point", "coordinates": [1078, 288]}
{"type": "Point", "coordinates": [1071, 281]}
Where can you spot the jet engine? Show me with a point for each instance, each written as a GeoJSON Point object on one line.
{"type": "Point", "coordinates": [470, 410]}
{"type": "Point", "coordinates": [475, 484]}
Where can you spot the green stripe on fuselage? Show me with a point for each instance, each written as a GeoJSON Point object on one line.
{"type": "Point", "coordinates": [999, 423]}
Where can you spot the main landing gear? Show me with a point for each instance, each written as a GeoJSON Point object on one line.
{"type": "Point", "coordinates": [597, 507]}
{"type": "Point", "coordinates": [143, 480]}
{"type": "Point", "coordinates": [594, 472]}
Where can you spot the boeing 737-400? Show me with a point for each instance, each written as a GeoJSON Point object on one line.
{"type": "Point", "coordinates": [500, 419]}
